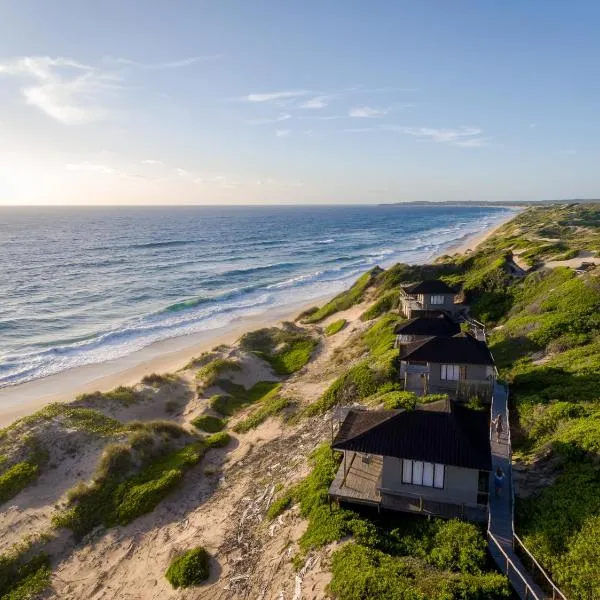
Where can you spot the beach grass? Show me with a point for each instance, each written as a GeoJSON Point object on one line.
{"type": "Point", "coordinates": [335, 327]}
{"type": "Point", "coordinates": [346, 299]}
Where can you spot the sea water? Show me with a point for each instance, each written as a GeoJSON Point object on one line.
{"type": "Point", "coordinates": [85, 285]}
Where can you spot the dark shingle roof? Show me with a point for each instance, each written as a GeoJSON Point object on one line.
{"type": "Point", "coordinates": [430, 286]}
{"type": "Point", "coordinates": [429, 326]}
{"type": "Point", "coordinates": [461, 348]}
{"type": "Point", "coordinates": [442, 432]}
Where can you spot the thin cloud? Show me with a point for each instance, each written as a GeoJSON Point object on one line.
{"type": "Point", "coordinates": [366, 112]}
{"type": "Point", "coordinates": [282, 132]}
{"type": "Point", "coordinates": [151, 161]}
{"type": "Point", "coordinates": [174, 64]}
{"type": "Point", "coordinates": [465, 137]}
{"type": "Point", "coordinates": [273, 96]}
{"type": "Point", "coordinates": [316, 102]}
{"type": "Point", "coordinates": [64, 89]}
{"type": "Point", "coordinates": [277, 119]}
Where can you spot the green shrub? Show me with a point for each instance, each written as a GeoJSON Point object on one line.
{"type": "Point", "coordinates": [280, 505]}
{"type": "Point", "coordinates": [293, 357]}
{"type": "Point", "coordinates": [17, 477]}
{"type": "Point", "coordinates": [157, 380]}
{"type": "Point", "coordinates": [210, 372]}
{"type": "Point", "coordinates": [384, 304]}
{"type": "Point", "coordinates": [122, 395]}
{"type": "Point", "coordinates": [118, 496]}
{"type": "Point", "coordinates": [21, 578]}
{"type": "Point", "coordinates": [287, 349]}
{"type": "Point", "coordinates": [208, 423]}
{"type": "Point", "coordinates": [346, 299]}
{"type": "Point", "coordinates": [335, 327]}
{"type": "Point", "coordinates": [218, 440]}
{"type": "Point", "coordinates": [358, 382]}
{"type": "Point", "coordinates": [459, 546]}
{"type": "Point", "coordinates": [188, 569]}
{"type": "Point", "coordinates": [238, 397]}
{"type": "Point", "coordinates": [270, 405]}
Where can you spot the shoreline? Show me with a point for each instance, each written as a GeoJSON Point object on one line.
{"type": "Point", "coordinates": [164, 356]}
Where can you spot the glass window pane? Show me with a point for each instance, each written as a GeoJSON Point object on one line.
{"type": "Point", "coordinates": [407, 471]}
{"type": "Point", "coordinates": [428, 474]}
{"type": "Point", "coordinates": [439, 476]}
{"type": "Point", "coordinates": [417, 477]}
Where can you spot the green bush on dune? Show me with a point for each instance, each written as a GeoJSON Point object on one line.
{"type": "Point", "coordinates": [188, 569]}
{"type": "Point", "coordinates": [208, 423]}
{"type": "Point", "coordinates": [335, 327]}
{"type": "Point", "coordinates": [210, 373]}
{"type": "Point", "coordinates": [384, 304]}
{"type": "Point", "coordinates": [238, 397]}
{"type": "Point", "coordinates": [22, 578]}
{"type": "Point", "coordinates": [217, 440]}
{"type": "Point", "coordinates": [17, 477]}
{"type": "Point", "coordinates": [270, 405]}
{"type": "Point", "coordinates": [287, 349]}
{"type": "Point", "coordinates": [119, 494]}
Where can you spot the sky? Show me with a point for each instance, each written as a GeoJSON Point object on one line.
{"type": "Point", "coordinates": [278, 102]}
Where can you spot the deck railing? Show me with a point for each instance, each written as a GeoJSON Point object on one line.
{"type": "Point", "coordinates": [529, 592]}
{"type": "Point", "coordinates": [556, 593]}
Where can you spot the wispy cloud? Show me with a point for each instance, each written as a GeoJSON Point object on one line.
{"type": "Point", "coordinates": [532, 125]}
{"type": "Point", "coordinates": [282, 132]}
{"type": "Point", "coordinates": [273, 96]}
{"type": "Point", "coordinates": [366, 112]}
{"type": "Point", "coordinates": [466, 137]}
{"type": "Point", "coordinates": [174, 64]}
{"type": "Point", "coordinates": [317, 102]}
{"type": "Point", "coordinates": [277, 119]}
{"type": "Point", "coordinates": [150, 161]}
{"type": "Point", "coordinates": [571, 151]}
{"type": "Point", "coordinates": [64, 89]}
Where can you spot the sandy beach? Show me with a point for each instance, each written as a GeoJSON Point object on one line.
{"type": "Point", "coordinates": [161, 357]}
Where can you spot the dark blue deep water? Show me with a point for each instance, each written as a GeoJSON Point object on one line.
{"type": "Point", "coordinates": [84, 285]}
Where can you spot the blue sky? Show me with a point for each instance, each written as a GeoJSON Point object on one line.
{"type": "Point", "coordinates": [298, 102]}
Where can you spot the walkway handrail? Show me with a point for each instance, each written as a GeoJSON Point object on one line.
{"type": "Point", "coordinates": [555, 589]}
{"type": "Point", "coordinates": [528, 589]}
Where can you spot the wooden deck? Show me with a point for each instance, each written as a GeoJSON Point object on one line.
{"type": "Point", "coordinates": [500, 526]}
{"type": "Point", "coordinates": [358, 479]}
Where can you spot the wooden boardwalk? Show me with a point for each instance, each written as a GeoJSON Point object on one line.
{"type": "Point", "coordinates": [500, 527]}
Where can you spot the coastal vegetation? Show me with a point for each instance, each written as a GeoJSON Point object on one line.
{"type": "Point", "coordinates": [23, 576]}
{"type": "Point", "coordinates": [130, 479]}
{"type": "Point", "coordinates": [188, 569]}
{"type": "Point", "coordinates": [237, 396]}
{"type": "Point", "coordinates": [270, 405]}
{"type": "Point", "coordinates": [335, 327]}
{"type": "Point", "coordinates": [287, 349]}
{"type": "Point", "coordinates": [208, 423]}
{"type": "Point", "coordinates": [345, 300]}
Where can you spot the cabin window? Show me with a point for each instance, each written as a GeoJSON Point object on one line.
{"type": "Point", "coordinates": [450, 372]}
{"type": "Point", "coordinates": [418, 472]}
{"type": "Point", "coordinates": [437, 300]}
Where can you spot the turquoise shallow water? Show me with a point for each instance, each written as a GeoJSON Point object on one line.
{"type": "Point", "coordinates": [85, 285]}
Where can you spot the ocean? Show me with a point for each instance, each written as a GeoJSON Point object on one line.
{"type": "Point", "coordinates": [85, 285]}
